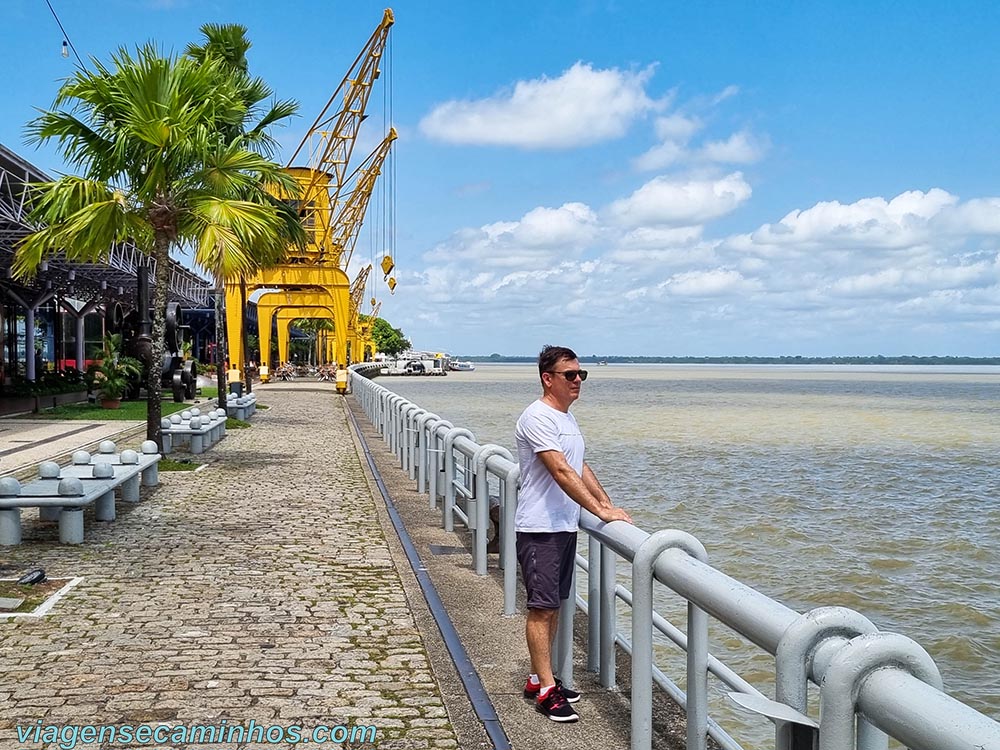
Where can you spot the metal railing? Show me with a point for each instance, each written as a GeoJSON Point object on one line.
{"type": "Point", "coordinates": [873, 685]}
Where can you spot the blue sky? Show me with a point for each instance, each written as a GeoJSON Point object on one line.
{"type": "Point", "coordinates": [815, 178]}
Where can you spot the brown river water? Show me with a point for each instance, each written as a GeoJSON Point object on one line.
{"type": "Point", "coordinates": [874, 488]}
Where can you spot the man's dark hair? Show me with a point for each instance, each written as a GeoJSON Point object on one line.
{"type": "Point", "coordinates": [551, 355]}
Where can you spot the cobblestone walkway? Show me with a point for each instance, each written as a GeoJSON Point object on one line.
{"type": "Point", "coordinates": [260, 588]}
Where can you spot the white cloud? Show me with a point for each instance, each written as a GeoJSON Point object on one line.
{"type": "Point", "coordinates": [663, 247]}
{"type": "Point", "coordinates": [899, 281]}
{"type": "Point", "coordinates": [712, 283]}
{"type": "Point", "coordinates": [664, 155]}
{"type": "Point", "coordinates": [582, 106]}
{"type": "Point", "coordinates": [676, 134]}
{"type": "Point", "coordinates": [977, 216]}
{"type": "Point", "coordinates": [665, 201]}
{"type": "Point", "coordinates": [572, 224]}
{"type": "Point", "coordinates": [677, 127]}
{"type": "Point", "coordinates": [726, 93]}
{"type": "Point", "coordinates": [916, 272]}
{"type": "Point", "coordinates": [869, 222]}
{"type": "Point", "coordinates": [541, 237]}
{"type": "Point", "coordinates": [739, 148]}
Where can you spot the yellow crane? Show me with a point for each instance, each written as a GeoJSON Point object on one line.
{"type": "Point", "coordinates": [332, 138]}
{"type": "Point", "coordinates": [332, 206]}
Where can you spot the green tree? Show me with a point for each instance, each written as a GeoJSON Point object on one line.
{"type": "Point", "coordinates": [227, 45]}
{"type": "Point", "coordinates": [388, 340]}
{"type": "Point", "coordinates": [147, 132]}
{"type": "Point", "coordinates": [313, 327]}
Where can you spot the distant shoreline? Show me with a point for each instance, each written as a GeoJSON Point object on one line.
{"type": "Point", "coordinates": [787, 360]}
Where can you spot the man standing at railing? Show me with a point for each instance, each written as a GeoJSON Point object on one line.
{"type": "Point", "coordinates": [555, 483]}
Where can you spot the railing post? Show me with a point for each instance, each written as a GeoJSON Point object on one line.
{"type": "Point", "coordinates": [434, 459]}
{"type": "Point", "coordinates": [642, 644]}
{"type": "Point", "coordinates": [593, 604]}
{"type": "Point", "coordinates": [608, 611]}
{"type": "Point", "coordinates": [795, 650]}
{"type": "Point", "coordinates": [449, 474]}
{"type": "Point", "coordinates": [508, 556]}
{"type": "Point", "coordinates": [423, 453]}
{"type": "Point", "coordinates": [479, 461]}
{"type": "Point", "coordinates": [849, 668]}
{"type": "Point", "coordinates": [562, 653]}
{"type": "Point", "coordinates": [412, 412]}
{"type": "Point", "coordinates": [400, 445]}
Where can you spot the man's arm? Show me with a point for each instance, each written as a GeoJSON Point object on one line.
{"type": "Point", "coordinates": [577, 487]}
{"type": "Point", "coordinates": [590, 479]}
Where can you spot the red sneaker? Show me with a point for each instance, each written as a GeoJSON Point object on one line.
{"type": "Point", "coordinates": [531, 691]}
{"type": "Point", "coordinates": [555, 706]}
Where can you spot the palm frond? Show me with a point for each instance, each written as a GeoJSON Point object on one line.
{"type": "Point", "coordinates": [234, 237]}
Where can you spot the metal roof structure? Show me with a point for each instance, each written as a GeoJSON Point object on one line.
{"type": "Point", "coordinates": [112, 279]}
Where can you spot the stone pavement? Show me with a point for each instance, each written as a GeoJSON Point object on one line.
{"type": "Point", "coordinates": [262, 588]}
{"type": "Point", "coordinates": [26, 442]}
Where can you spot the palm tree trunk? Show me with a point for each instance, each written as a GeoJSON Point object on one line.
{"type": "Point", "coordinates": [154, 374]}
{"type": "Point", "coordinates": [243, 334]}
{"type": "Point", "coordinates": [220, 340]}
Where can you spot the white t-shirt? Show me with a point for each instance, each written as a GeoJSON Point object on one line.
{"type": "Point", "coordinates": [542, 506]}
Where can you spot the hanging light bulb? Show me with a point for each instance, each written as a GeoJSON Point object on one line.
{"type": "Point", "coordinates": [65, 50]}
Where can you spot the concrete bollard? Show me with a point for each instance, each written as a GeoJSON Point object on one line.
{"type": "Point", "coordinates": [10, 518]}
{"type": "Point", "coordinates": [130, 487]}
{"type": "Point", "coordinates": [71, 518]}
{"type": "Point", "coordinates": [151, 474]}
{"type": "Point", "coordinates": [178, 441]}
{"type": "Point", "coordinates": [104, 508]}
{"type": "Point", "coordinates": [197, 441]}
{"type": "Point", "coordinates": [167, 438]}
{"type": "Point", "coordinates": [48, 470]}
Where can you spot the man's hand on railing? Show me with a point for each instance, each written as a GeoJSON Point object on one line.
{"type": "Point", "coordinates": [613, 513]}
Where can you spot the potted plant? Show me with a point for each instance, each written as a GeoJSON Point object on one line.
{"type": "Point", "coordinates": [111, 378]}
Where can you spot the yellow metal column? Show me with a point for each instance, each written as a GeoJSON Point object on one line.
{"type": "Point", "coordinates": [234, 327]}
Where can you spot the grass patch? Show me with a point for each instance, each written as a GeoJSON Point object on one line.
{"type": "Point", "coordinates": [263, 407]}
{"type": "Point", "coordinates": [182, 464]}
{"type": "Point", "coordinates": [129, 410]}
{"type": "Point", "coordinates": [33, 595]}
{"type": "Point", "coordinates": [236, 424]}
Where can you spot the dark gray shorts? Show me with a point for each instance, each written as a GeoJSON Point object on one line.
{"type": "Point", "coordinates": [547, 561]}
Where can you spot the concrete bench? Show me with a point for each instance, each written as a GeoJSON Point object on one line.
{"type": "Point", "coordinates": [62, 492]}
{"type": "Point", "coordinates": [193, 430]}
{"type": "Point", "coordinates": [241, 407]}
{"type": "Point", "coordinates": [131, 467]}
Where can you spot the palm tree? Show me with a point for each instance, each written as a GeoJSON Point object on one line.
{"type": "Point", "coordinates": [227, 45]}
{"type": "Point", "coordinates": [317, 328]}
{"type": "Point", "coordinates": [148, 134]}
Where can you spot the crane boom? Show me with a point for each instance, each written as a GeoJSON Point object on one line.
{"type": "Point", "coordinates": [358, 289]}
{"type": "Point", "coordinates": [338, 132]}
{"type": "Point", "coordinates": [344, 227]}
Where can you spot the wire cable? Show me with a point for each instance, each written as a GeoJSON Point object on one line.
{"type": "Point", "coordinates": [65, 35]}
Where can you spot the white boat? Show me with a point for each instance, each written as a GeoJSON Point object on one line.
{"type": "Point", "coordinates": [461, 366]}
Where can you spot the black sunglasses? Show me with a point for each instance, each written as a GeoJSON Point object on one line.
{"type": "Point", "coordinates": [570, 375]}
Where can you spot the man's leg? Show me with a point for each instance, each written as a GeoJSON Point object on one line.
{"type": "Point", "coordinates": [540, 627]}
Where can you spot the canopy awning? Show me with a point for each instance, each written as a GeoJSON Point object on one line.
{"type": "Point", "coordinates": [113, 279]}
